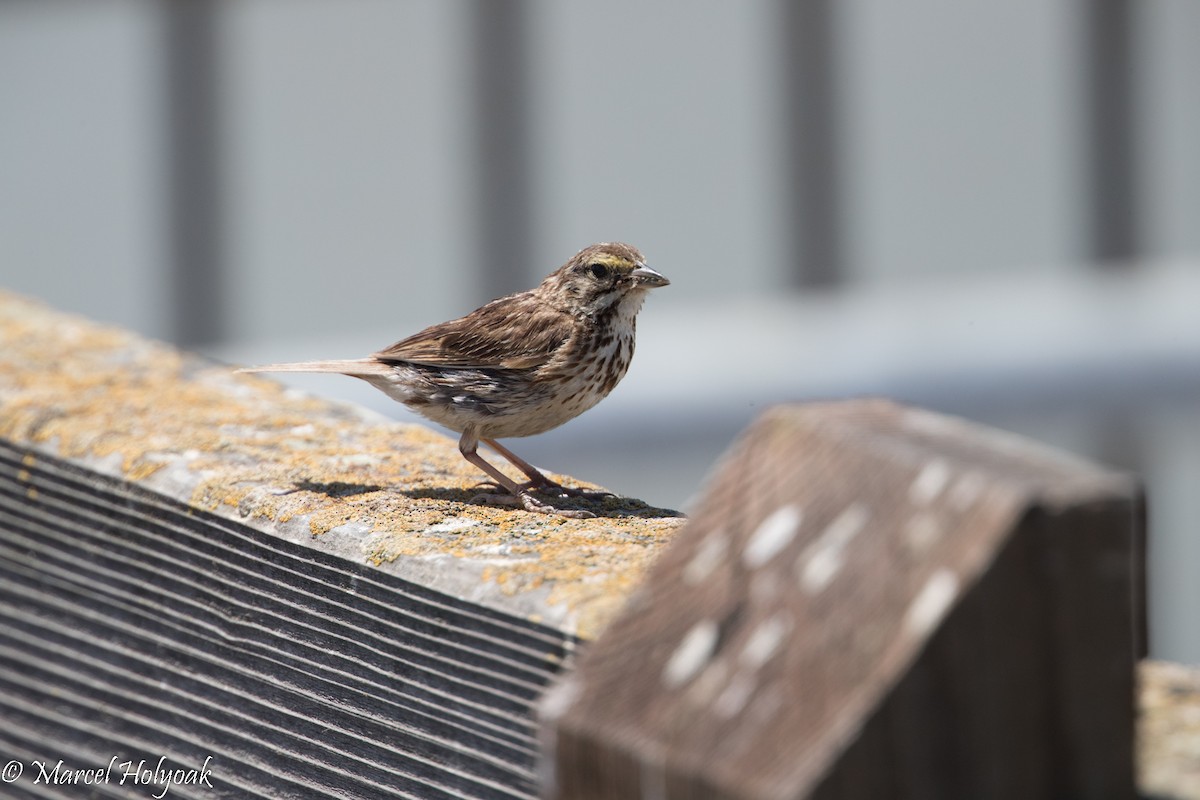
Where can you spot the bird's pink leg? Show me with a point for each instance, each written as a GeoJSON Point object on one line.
{"type": "Point", "coordinates": [539, 481]}
{"type": "Point", "coordinates": [468, 445]}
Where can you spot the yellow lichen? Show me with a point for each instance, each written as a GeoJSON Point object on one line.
{"type": "Point", "coordinates": [87, 391]}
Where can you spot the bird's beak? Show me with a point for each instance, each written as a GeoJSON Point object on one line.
{"type": "Point", "coordinates": [644, 276]}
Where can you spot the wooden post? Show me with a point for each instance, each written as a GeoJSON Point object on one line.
{"type": "Point", "coordinates": [871, 602]}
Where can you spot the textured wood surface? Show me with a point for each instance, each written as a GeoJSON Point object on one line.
{"type": "Point", "coordinates": [304, 601]}
{"type": "Point", "coordinates": [136, 627]}
{"type": "Point", "coordinates": [871, 602]}
{"type": "Point", "coordinates": [295, 595]}
{"type": "Point", "coordinates": [328, 475]}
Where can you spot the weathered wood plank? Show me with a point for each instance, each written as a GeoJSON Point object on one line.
{"type": "Point", "coordinates": [328, 475]}
{"type": "Point", "coordinates": [295, 595]}
{"type": "Point", "coordinates": [134, 626]}
{"type": "Point", "coordinates": [871, 601]}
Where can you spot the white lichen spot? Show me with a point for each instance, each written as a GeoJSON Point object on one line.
{"type": "Point", "coordinates": [451, 525]}
{"type": "Point", "coordinates": [966, 490]}
{"type": "Point", "coordinates": [693, 652]}
{"type": "Point", "coordinates": [707, 558]}
{"type": "Point", "coordinates": [772, 535]}
{"type": "Point", "coordinates": [559, 698]}
{"type": "Point", "coordinates": [359, 460]}
{"type": "Point", "coordinates": [931, 603]}
{"type": "Point", "coordinates": [730, 702]}
{"type": "Point", "coordinates": [765, 641]}
{"type": "Point", "coordinates": [930, 482]}
{"type": "Point", "coordinates": [822, 560]}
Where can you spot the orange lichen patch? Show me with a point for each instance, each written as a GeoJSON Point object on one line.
{"type": "Point", "coordinates": [250, 448]}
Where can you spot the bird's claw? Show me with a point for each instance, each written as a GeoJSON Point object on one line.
{"type": "Point", "coordinates": [538, 507]}
{"type": "Point", "coordinates": [530, 503]}
{"type": "Point", "coordinates": [549, 487]}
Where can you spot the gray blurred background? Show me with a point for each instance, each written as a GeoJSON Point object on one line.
{"type": "Point", "coordinates": [990, 209]}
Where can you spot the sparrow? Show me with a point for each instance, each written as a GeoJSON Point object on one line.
{"type": "Point", "coordinates": [518, 366]}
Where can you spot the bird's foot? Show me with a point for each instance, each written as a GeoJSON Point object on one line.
{"type": "Point", "coordinates": [523, 499]}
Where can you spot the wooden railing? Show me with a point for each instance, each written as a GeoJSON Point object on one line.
{"type": "Point", "coordinates": [278, 597]}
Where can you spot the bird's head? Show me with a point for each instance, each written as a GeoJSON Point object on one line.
{"type": "Point", "coordinates": [599, 277]}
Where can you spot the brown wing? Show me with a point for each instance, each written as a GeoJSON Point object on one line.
{"type": "Point", "coordinates": [511, 333]}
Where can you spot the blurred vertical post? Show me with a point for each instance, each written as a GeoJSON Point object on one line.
{"type": "Point", "coordinates": [810, 100]}
{"type": "Point", "coordinates": [499, 31]}
{"type": "Point", "coordinates": [193, 172]}
{"type": "Point", "coordinates": [1111, 169]}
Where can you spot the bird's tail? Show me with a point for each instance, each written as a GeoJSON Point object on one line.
{"type": "Point", "coordinates": [358, 367]}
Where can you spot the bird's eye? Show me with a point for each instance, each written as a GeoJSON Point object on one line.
{"type": "Point", "coordinates": [599, 271]}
